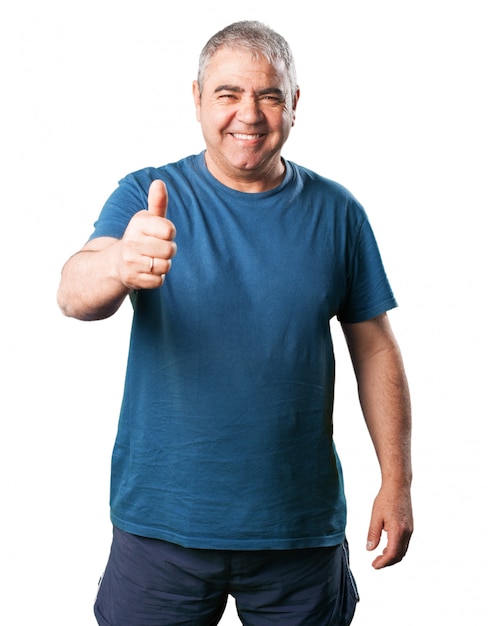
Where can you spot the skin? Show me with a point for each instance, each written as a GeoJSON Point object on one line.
{"type": "Point", "coordinates": [246, 110]}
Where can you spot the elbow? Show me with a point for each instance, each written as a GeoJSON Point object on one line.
{"type": "Point", "coordinates": [63, 303]}
{"type": "Point", "coordinates": [78, 309]}
{"type": "Point", "coordinates": [69, 308]}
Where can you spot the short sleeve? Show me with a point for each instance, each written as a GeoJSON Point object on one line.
{"type": "Point", "coordinates": [368, 289]}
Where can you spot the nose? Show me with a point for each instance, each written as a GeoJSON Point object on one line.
{"type": "Point", "coordinates": [249, 111]}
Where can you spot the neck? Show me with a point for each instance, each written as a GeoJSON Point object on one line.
{"type": "Point", "coordinates": [248, 181]}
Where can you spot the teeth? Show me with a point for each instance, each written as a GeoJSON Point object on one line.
{"type": "Point", "coordinates": [246, 137]}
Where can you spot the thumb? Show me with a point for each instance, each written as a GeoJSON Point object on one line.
{"type": "Point", "coordinates": [374, 537]}
{"type": "Point", "coordinates": [157, 199]}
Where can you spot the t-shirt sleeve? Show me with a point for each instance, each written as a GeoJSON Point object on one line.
{"type": "Point", "coordinates": [129, 198]}
{"type": "Point", "coordinates": [368, 290]}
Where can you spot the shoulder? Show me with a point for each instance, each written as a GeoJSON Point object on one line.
{"type": "Point", "coordinates": [145, 176]}
{"type": "Point", "coordinates": [328, 195]}
{"type": "Point", "coordinates": [312, 180]}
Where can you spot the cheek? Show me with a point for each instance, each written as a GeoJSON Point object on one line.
{"type": "Point", "coordinates": [214, 120]}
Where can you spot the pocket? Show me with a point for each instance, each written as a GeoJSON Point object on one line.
{"type": "Point", "coordinates": [347, 568]}
{"type": "Point", "coordinates": [98, 586]}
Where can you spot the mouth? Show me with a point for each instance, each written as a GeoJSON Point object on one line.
{"type": "Point", "coordinates": [244, 137]}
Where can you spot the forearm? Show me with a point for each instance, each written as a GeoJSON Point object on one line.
{"type": "Point", "coordinates": [385, 402]}
{"type": "Point", "coordinates": [384, 395]}
{"type": "Point", "coordinates": [89, 288]}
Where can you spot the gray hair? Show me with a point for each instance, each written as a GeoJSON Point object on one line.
{"type": "Point", "coordinates": [255, 37]}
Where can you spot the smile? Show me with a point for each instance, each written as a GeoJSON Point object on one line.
{"type": "Point", "coordinates": [245, 137]}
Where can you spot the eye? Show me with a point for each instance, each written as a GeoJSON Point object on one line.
{"type": "Point", "coordinates": [270, 99]}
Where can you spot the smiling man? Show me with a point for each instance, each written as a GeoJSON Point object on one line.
{"type": "Point", "coordinates": [225, 476]}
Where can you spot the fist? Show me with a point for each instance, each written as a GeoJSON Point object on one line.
{"type": "Point", "coordinates": [148, 246]}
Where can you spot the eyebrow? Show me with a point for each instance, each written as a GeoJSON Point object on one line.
{"type": "Point", "coordinates": [228, 88]}
{"type": "Point", "coordinates": [261, 92]}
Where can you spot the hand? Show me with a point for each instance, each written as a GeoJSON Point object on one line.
{"type": "Point", "coordinates": [147, 246]}
{"type": "Point", "coordinates": [392, 513]}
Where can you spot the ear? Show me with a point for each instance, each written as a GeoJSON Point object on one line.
{"type": "Point", "coordinates": [196, 98]}
{"type": "Point", "coordinates": [294, 104]}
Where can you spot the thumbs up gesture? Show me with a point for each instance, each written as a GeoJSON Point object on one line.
{"type": "Point", "coordinates": [148, 246]}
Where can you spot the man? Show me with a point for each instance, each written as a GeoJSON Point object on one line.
{"type": "Point", "coordinates": [225, 477]}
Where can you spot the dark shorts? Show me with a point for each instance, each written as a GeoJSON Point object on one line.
{"type": "Point", "coordinates": [149, 582]}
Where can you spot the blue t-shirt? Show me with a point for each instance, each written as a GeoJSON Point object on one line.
{"type": "Point", "coordinates": [225, 432]}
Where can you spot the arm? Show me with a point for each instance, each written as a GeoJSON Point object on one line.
{"type": "Point", "coordinates": [385, 402]}
{"type": "Point", "coordinates": [96, 280]}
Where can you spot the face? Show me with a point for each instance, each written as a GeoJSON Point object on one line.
{"type": "Point", "coordinates": [246, 110]}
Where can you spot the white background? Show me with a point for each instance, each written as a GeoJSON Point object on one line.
{"type": "Point", "coordinates": [393, 106]}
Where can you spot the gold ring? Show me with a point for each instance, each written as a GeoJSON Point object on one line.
{"type": "Point", "coordinates": [151, 267]}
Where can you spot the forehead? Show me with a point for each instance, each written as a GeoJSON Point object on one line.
{"type": "Point", "coordinates": [241, 67]}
